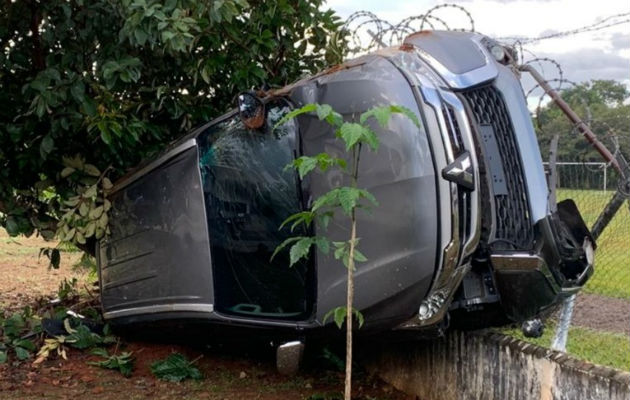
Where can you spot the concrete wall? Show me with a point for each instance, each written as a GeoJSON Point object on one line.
{"type": "Point", "coordinates": [469, 366]}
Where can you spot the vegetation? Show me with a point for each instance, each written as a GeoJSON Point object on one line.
{"type": "Point", "coordinates": [602, 104]}
{"type": "Point", "coordinates": [344, 199]}
{"type": "Point", "coordinates": [175, 368]}
{"type": "Point", "coordinates": [90, 88]}
{"type": "Point", "coordinates": [604, 348]}
{"type": "Point", "coordinates": [122, 363]}
{"type": "Point", "coordinates": [15, 333]}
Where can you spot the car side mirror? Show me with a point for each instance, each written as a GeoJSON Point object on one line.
{"type": "Point", "coordinates": [251, 110]}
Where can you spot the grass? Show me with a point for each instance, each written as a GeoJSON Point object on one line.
{"type": "Point", "coordinates": [612, 258]}
{"type": "Point", "coordinates": [604, 348]}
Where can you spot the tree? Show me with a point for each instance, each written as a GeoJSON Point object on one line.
{"type": "Point", "coordinates": [600, 103]}
{"type": "Point", "coordinates": [344, 200]}
{"type": "Point", "coordinates": [90, 88]}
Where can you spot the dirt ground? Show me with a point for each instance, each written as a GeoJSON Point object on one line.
{"type": "Point", "coordinates": [602, 313]}
{"type": "Point", "coordinates": [24, 276]}
{"type": "Point", "coordinates": [228, 373]}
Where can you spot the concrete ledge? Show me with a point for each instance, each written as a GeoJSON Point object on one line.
{"type": "Point", "coordinates": [491, 366]}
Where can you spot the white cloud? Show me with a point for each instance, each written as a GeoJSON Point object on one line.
{"type": "Point", "coordinates": [603, 54]}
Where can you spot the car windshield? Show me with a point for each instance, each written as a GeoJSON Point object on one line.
{"type": "Point", "coordinates": [248, 193]}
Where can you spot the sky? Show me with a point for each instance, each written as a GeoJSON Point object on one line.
{"type": "Point", "coordinates": [603, 54]}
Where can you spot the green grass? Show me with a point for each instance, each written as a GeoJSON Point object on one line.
{"type": "Point", "coordinates": [612, 258]}
{"type": "Point", "coordinates": [604, 348]}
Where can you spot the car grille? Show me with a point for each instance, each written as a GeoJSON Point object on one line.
{"type": "Point", "coordinates": [513, 223]}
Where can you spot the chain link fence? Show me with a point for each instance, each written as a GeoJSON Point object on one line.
{"type": "Point", "coordinates": [591, 185]}
{"type": "Point", "coordinates": [600, 317]}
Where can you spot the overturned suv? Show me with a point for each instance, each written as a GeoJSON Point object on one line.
{"type": "Point", "coordinates": [464, 233]}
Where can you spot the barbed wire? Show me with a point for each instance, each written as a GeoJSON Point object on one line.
{"type": "Point", "coordinates": [368, 32]}
{"type": "Point", "coordinates": [604, 23]}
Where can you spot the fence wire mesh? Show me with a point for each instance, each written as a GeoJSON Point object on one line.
{"type": "Point", "coordinates": [601, 311]}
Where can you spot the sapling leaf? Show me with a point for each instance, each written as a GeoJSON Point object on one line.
{"type": "Point", "coordinates": [358, 256]}
{"type": "Point", "coordinates": [294, 113]}
{"type": "Point", "coordinates": [326, 112]}
{"type": "Point", "coordinates": [283, 245]}
{"type": "Point", "coordinates": [406, 112]}
{"type": "Point", "coordinates": [351, 133]}
{"type": "Point", "coordinates": [304, 217]}
{"type": "Point", "coordinates": [348, 197]}
{"type": "Point", "coordinates": [305, 165]}
{"type": "Point", "coordinates": [299, 250]}
{"type": "Point", "coordinates": [322, 244]}
{"type": "Point", "coordinates": [340, 316]}
{"type": "Point", "coordinates": [381, 114]}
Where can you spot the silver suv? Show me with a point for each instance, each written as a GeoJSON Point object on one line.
{"type": "Point", "coordinates": [464, 232]}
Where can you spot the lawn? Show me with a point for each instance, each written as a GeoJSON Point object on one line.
{"type": "Point", "coordinates": [604, 348]}
{"type": "Point", "coordinates": [612, 258]}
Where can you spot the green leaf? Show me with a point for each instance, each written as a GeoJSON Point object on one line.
{"type": "Point", "coordinates": [381, 114]}
{"type": "Point", "coordinates": [107, 184]}
{"type": "Point", "coordinates": [84, 209]}
{"type": "Point", "coordinates": [406, 112]}
{"type": "Point", "coordinates": [326, 112]}
{"type": "Point", "coordinates": [305, 165]}
{"type": "Point", "coordinates": [3, 356]}
{"type": "Point", "coordinates": [359, 316]}
{"type": "Point", "coordinates": [283, 245]}
{"type": "Point", "coordinates": [122, 362]}
{"type": "Point", "coordinates": [175, 368]}
{"type": "Point", "coordinates": [323, 244]}
{"type": "Point", "coordinates": [351, 133]}
{"type": "Point", "coordinates": [46, 146]}
{"type": "Point", "coordinates": [11, 225]}
{"type": "Point", "coordinates": [339, 316]}
{"type": "Point", "coordinates": [83, 338]}
{"type": "Point", "coordinates": [348, 197]}
{"type": "Point", "coordinates": [91, 170]}
{"type": "Point", "coordinates": [290, 115]}
{"type": "Point", "coordinates": [358, 256]}
{"type": "Point", "coordinates": [304, 217]}
{"type": "Point", "coordinates": [329, 199]}
{"type": "Point", "coordinates": [90, 192]}
{"type": "Point", "coordinates": [77, 90]}
{"type": "Point", "coordinates": [299, 250]}
{"type": "Point", "coordinates": [341, 250]}
{"type": "Point", "coordinates": [96, 212]}
{"type": "Point", "coordinates": [25, 344]}
{"type": "Point", "coordinates": [367, 195]}
{"type": "Point", "coordinates": [21, 353]}
{"type": "Point", "coordinates": [80, 238]}
{"type": "Point", "coordinates": [68, 236]}
{"type": "Point", "coordinates": [371, 139]}
{"type": "Point", "coordinates": [67, 171]}
{"type": "Point", "coordinates": [90, 229]}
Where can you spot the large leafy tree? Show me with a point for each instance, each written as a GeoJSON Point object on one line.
{"type": "Point", "coordinates": [603, 104]}
{"type": "Point", "coordinates": [89, 88]}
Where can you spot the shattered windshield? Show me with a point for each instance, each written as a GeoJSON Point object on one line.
{"type": "Point", "coordinates": [248, 193]}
